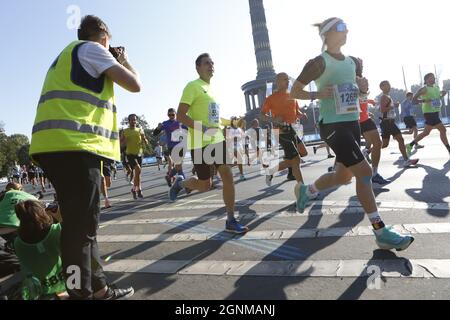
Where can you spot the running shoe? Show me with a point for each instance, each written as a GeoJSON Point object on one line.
{"type": "Point", "coordinates": [315, 150]}
{"type": "Point", "coordinates": [242, 178]}
{"type": "Point", "coordinates": [330, 156]}
{"type": "Point", "coordinates": [378, 179]}
{"type": "Point", "coordinates": [175, 189]}
{"type": "Point", "coordinates": [419, 146]}
{"type": "Point", "coordinates": [134, 194]}
{"type": "Point", "coordinates": [235, 227]}
{"type": "Point", "coordinates": [139, 194]}
{"type": "Point", "coordinates": [410, 162]}
{"type": "Point", "coordinates": [391, 239]}
{"type": "Point", "coordinates": [302, 198]}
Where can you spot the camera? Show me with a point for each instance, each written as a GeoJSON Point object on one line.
{"type": "Point", "coordinates": [116, 51]}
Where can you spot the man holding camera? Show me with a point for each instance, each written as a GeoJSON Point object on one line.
{"type": "Point", "coordinates": [76, 127]}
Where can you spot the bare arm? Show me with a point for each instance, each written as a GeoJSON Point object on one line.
{"type": "Point", "coordinates": [298, 92]}
{"type": "Point", "coordinates": [384, 104]}
{"type": "Point", "coordinates": [158, 131]}
{"type": "Point", "coordinates": [123, 139]}
{"type": "Point", "coordinates": [125, 76]}
{"type": "Point", "coordinates": [419, 93]}
{"type": "Point", "coordinates": [266, 118]}
{"type": "Point", "coordinates": [183, 117]}
{"type": "Point", "coordinates": [144, 138]}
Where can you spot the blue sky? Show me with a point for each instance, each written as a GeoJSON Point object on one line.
{"type": "Point", "coordinates": [163, 38]}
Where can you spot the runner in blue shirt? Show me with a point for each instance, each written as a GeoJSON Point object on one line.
{"type": "Point", "coordinates": [175, 132]}
{"type": "Point", "coordinates": [408, 116]}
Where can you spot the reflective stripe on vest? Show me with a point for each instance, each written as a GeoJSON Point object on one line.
{"type": "Point", "coordinates": [78, 95]}
{"type": "Point", "coordinates": [75, 126]}
{"type": "Point", "coordinates": [71, 116]}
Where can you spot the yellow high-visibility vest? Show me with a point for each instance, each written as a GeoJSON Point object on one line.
{"type": "Point", "coordinates": [76, 112]}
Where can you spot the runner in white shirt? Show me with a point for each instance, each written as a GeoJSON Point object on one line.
{"type": "Point", "coordinates": [235, 143]}
{"type": "Point", "coordinates": [158, 151]}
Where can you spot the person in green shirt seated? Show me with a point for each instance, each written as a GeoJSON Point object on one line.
{"type": "Point", "coordinates": [9, 263]}
{"type": "Point", "coordinates": [38, 246]}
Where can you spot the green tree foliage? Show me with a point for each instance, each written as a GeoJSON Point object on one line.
{"type": "Point", "coordinates": [23, 154]}
{"type": "Point", "coordinates": [12, 149]}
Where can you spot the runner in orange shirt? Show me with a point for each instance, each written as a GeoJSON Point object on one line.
{"type": "Point", "coordinates": [285, 112]}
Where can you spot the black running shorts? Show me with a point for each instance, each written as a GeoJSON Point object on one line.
{"type": "Point", "coordinates": [344, 138]}
{"type": "Point", "coordinates": [389, 128]}
{"type": "Point", "coordinates": [432, 119]}
{"type": "Point", "coordinates": [204, 168]}
{"type": "Point", "coordinates": [134, 160]}
{"type": "Point", "coordinates": [368, 125]}
{"type": "Point", "coordinates": [106, 170]}
{"type": "Point", "coordinates": [410, 122]}
{"type": "Point", "coordinates": [289, 141]}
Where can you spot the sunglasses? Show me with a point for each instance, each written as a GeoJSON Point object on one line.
{"type": "Point", "coordinates": [341, 27]}
{"type": "Point", "coordinates": [172, 115]}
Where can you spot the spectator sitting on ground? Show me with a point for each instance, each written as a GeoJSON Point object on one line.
{"type": "Point", "coordinates": [38, 246]}
{"type": "Point", "coordinates": [9, 264]}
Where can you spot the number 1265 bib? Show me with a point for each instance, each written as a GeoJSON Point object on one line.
{"type": "Point", "coordinates": [346, 97]}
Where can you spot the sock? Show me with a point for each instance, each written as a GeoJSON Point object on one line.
{"type": "Point", "coordinates": [272, 171]}
{"type": "Point", "coordinates": [412, 144]}
{"type": "Point", "coordinates": [375, 171]}
{"type": "Point", "coordinates": [312, 191]}
{"type": "Point", "coordinates": [377, 223]}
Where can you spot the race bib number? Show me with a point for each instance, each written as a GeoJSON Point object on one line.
{"type": "Point", "coordinates": [214, 114]}
{"type": "Point", "coordinates": [346, 97]}
{"type": "Point", "coordinates": [436, 103]}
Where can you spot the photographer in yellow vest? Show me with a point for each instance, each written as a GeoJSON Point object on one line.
{"type": "Point", "coordinates": [76, 127]}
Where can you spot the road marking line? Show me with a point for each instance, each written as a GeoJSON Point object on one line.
{"type": "Point", "coordinates": [399, 268]}
{"type": "Point", "coordinates": [425, 228]}
{"type": "Point", "coordinates": [196, 200]}
{"type": "Point", "coordinates": [214, 204]}
{"type": "Point", "coordinates": [246, 216]}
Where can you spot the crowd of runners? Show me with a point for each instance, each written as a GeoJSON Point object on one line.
{"type": "Point", "coordinates": [214, 143]}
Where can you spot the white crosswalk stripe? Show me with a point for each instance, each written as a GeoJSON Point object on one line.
{"type": "Point", "coordinates": [426, 228]}
{"type": "Point", "coordinates": [414, 268]}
